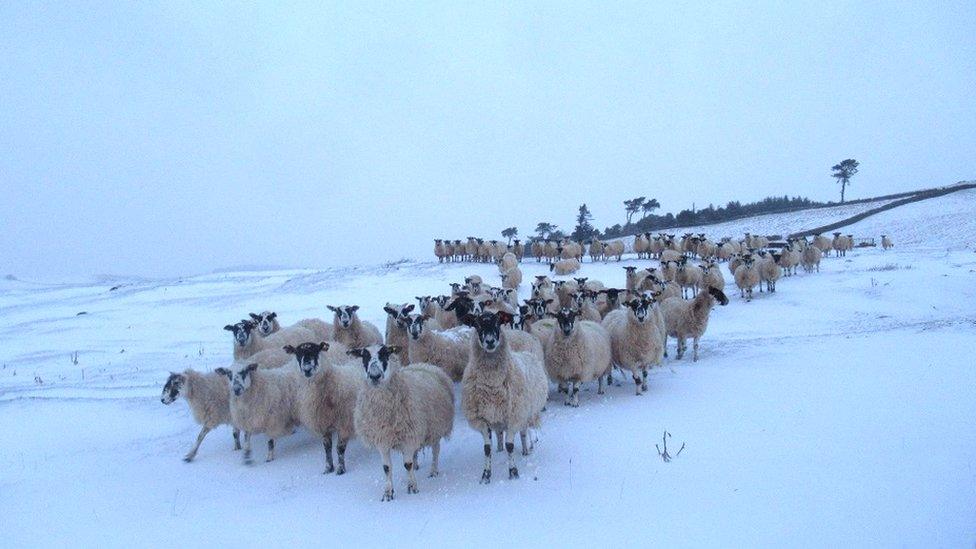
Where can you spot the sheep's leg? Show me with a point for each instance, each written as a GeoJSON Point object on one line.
{"type": "Point", "coordinates": [486, 474]}
{"type": "Point", "coordinates": [524, 437]}
{"type": "Point", "coordinates": [193, 452]}
{"type": "Point", "coordinates": [695, 356]}
{"type": "Point", "coordinates": [342, 456]}
{"type": "Point", "coordinates": [500, 441]}
{"type": "Point", "coordinates": [681, 348]}
{"type": "Point", "coordinates": [665, 345]}
{"type": "Point", "coordinates": [327, 444]}
{"type": "Point", "coordinates": [512, 469]}
{"type": "Point", "coordinates": [644, 379]}
{"type": "Point", "coordinates": [561, 389]}
{"type": "Point", "coordinates": [609, 377]}
{"type": "Point", "coordinates": [237, 439]}
{"type": "Point", "coordinates": [436, 451]}
{"type": "Point", "coordinates": [637, 383]}
{"type": "Point", "coordinates": [247, 447]}
{"type": "Point", "coordinates": [572, 396]}
{"type": "Point", "coordinates": [600, 389]}
{"type": "Point", "coordinates": [388, 473]}
{"type": "Point", "coordinates": [270, 450]}
{"type": "Point", "coordinates": [409, 458]}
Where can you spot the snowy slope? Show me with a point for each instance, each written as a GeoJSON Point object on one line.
{"type": "Point", "coordinates": [837, 411]}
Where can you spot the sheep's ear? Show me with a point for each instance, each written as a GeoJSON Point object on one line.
{"type": "Point", "coordinates": [272, 316]}
{"type": "Point", "coordinates": [470, 320]}
{"type": "Point", "coordinates": [250, 368]}
{"type": "Point", "coordinates": [230, 328]}
{"type": "Point", "coordinates": [488, 303]}
{"type": "Point", "coordinates": [355, 352]}
{"type": "Point", "coordinates": [224, 372]}
{"type": "Point", "coordinates": [323, 346]}
{"type": "Point", "coordinates": [254, 316]}
{"type": "Point", "coordinates": [393, 349]}
{"type": "Point", "coordinates": [505, 317]}
{"type": "Point", "coordinates": [425, 317]}
{"type": "Point", "coordinates": [354, 308]}
{"type": "Point", "coordinates": [390, 311]}
{"type": "Point", "coordinates": [408, 308]}
{"type": "Point", "coordinates": [548, 301]}
{"type": "Point", "coordinates": [331, 308]}
{"type": "Point", "coordinates": [289, 349]}
{"type": "Point", "coordinates": [451, 306]}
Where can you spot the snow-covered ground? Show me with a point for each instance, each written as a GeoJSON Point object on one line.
{"type": "Point", "coordinates": [837, 411]}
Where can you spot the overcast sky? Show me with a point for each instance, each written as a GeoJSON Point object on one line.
{"type": "Point", "coordinates": [164, 139]}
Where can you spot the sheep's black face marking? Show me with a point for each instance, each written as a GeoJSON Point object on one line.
{"type": "Point", "coordinates": [423, 302]}
{"type": "Point", "coordinates": [640, 308]}
{"type": "Point", "coordinates": [719, 295]}
{"type": "Point", "coordinates": [415, 325]}
{"type": "Point", "coordinates": [241, 379]}
{"type": "Point", "coordinates": [613, 295]}
{"type": "Point", "coordinates": [537, 307]}
{"type": "Point", "coordinates": [242, 331]}
{"type": "Point", "coordinates": [489, 328]}
{"type": "Point", "coordinates": [307, 355]}
{"type": "Point", "coordinates": [376, 361]}
{"type": "Point", "coordinates": [567, 320]}
{"type": "Point", "coordinates": [344, 314]}
{"type": "Point", "coordinates": [461, 306]}
{"type": "Point", "coordinates": [171, 390]}
{"type": "Point", "coordinates": [518, 320]}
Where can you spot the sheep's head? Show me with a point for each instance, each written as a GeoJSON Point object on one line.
{"type": "Point", "coordinates": [242, 331]}
{"type": "Point", "coordinates": [719, 295]}
{"type": "Point", "coordinates": [580, 282]}
{"type": "Point", "coordinates": [537, 307]}
{"type": "Point", "coordinates": [578, 297]}
{"type": "Point", "coordinates": [639, 307]}
{"type": "Point", "coordinates": [442, 300]}
{"type": "Point", "coordinates": [173, 387]}
{"type": "Point", "coordinates": [479, 307]}
{"type": "Point", "coordinates": [566, 318]}
{"type": "Point", "coordinates": [415, 324]}
{"type": "Point", "coordinates": [489, 328]}
{"type": "Point", "coordinates": [424, 301]}
{"type": "Point", "coordinates": [461, 306]}
{"type": "Point", "coordinates": [344, 314]}
{"type": "Point", "coordinates": [613, 295]}
{"type": "Point", "coordinates": [240, 379]}
{"type": "Point", "coordinates": [376, 361]}
{"type": "Point", "coordinates": [307, 355]}
{"type": "Point", "coordinates": [265, 322]}
{"type": "Point", "coordinates": [518, 319]}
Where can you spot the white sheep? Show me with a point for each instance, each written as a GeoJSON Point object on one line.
{"type": "Point", "coordinates": [512, 278]}
{"type": "Point", "coordinates": [565, 266]}
{"type": "Point", "coordinates": [747, 277]}
{"type": "Point", "coordinates": [403, 408]}
{"type": "Point", "coordinates": [327, 393]}
{"type": "Point", "coordinates": [613, 249]}
{"type": "Point", "coordinates": [267, 324]}
{"type": "Point", "coordinates": [262, 401]}
{"type": "Point", "coordinates": [209, 400]}
{"type": "Point", "coordinates": [247, 342]}
{"type": "Point", "coordinates": [351, 331]}
{"type": "Point", "coordinates": [811, 258]}
{"type": "Point", "coordinates": [501, 389]}
{"type": "Point", "coordinates": [448, 349]}
{"type": "Point", "coordinates": [578, 352]}
{"type": "Point", "coordinates": [769, 271]}
{"type": "Point", "coordinates": [689, 319]}
{"type": "Point", "coordinates": [396, 330]}
{"type": "Point", "coordinates": [508, 262]}
{"type": "Point", "coordinates": [712, 276]}
{"type": "Point", "coordinates": [636, 338]}
{"type": "Point", "coordinates": [688, 277]}
{"type": "Point", "coordinates": [886, 242]}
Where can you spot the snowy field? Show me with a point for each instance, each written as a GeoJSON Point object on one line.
{"type": "Point", "coordinates": [839, 410]}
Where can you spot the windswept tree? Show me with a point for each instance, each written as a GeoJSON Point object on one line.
{"type": "Point", "coordinates": [647, 208]}
{"type": "Point", "coordinates": [544, 230]}
{"type": "Point", "coordinates": [633, 206]}
{"type": "Point", "coordinates": [584, 226]}
{"type": "Point", "coordinates": [843, 173]}
{"type": "Point", "coordinates": [510, 233]}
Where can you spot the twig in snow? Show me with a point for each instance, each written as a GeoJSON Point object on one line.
{"type": "Point", "coordinates": [664, 453]}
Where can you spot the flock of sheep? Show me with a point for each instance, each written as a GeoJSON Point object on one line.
{"type": "Point", "coordinates": [395, 390]}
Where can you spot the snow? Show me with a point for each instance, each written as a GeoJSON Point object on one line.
{"type": "Point", "coordinates": [836, 411]}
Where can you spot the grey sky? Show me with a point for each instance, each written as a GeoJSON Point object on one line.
{"type": "Point", "coordinates": [165, 138]}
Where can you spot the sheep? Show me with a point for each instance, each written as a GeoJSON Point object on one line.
{"type": "Point", "coordinates": [208, 397]}
{"type": "Point", "coordinates": [512, 278]}
{"type": "Point", "coordinates": [811, 258]}
{"type": "Point", "coordinates": [578, 352]}
{"type": "Point", "coordinates": [327, 393]}
{"type": "Point", "coordinates": [596, 250]}
{"type": "Point", "coordinates": [543, 290]}
{"type": "Point", "coordinates": [636, 339]}
{"type": "Point", "coordinates": [262, 401]}
{"type": "Point", "coordinates": [351, 331]}
{"type": "Point", "coordinates": [613, 249]}
{"type": "Point", "coordinates": [747, 277]}
{"type": "Point", "coordinates": [634, 278]}
{"type": "Point", "coordinates": [689, 319]}
{"type": "Point", "coordinates": [404, 408]}
{"type": "Point", "coordinates": [725, 251]}
{"type": "Point", "coordinates": [886, 242]}
{"type": "Point", "coordinates": [565, 266]}
{"type": "Point", "coordinates": [440, 252]}
{"type": "Point", "coordinates": [538, 250]}
{"type": "Point", "coordinates": [247, 342]}
{"type": "Point", "coordinates": [822, 242]}
{"type": "Point", "coordinates": [789, 259]}
{"type": "Point", "coordinates": [448, 349]}
{"type": "Point", "coordinates": [612, 301]}
{"type": "Point", "coordinates": [396, 330]}
{"type": "Point", "coordinates": [267, 324]}
{"type": "Point", "coordinates": [641, 245]}
{"type": "Point", "coordinates": [518, 249]}
{"type": "Point", "coordinates": [711, 276]}
{"type": "Point", "coordinates": [451, 314]}
{"type": "Point", "coordinates": [584, 303]}
{"type": "Point", "coordinates": [769, 271]}
{"type": "Point", "coordinates": [669, 269]}
{"type": "Point", "coordinates": [688, 277]}
{"type": "Point", "coordinates": [501, 389]}
{"type": "Point", "coordinates": [670, 256]}
{"type": "Point", "coordinates": [564, 291]}
{"type": "Point", "coordinates": [426, 304]}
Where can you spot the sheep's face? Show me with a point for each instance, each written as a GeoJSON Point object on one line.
{"type": "Point", "coordinates": [613, 296]}
{"type": "Point", "coordinates": [578, 298]}
{"type": "Point", "coordinates": [240, 380]}
{"type": "Point", "coordinates": [172, 388]}
{"type": "Point", "coordinates": [567, 320]}
{"type": "Point", "coordinates": [537, 307]}
{"type": "Point", "coordinates": [415, 325]}
{"type": "Point", "coordinates": [424, 301]}
{"type": "Point", "coordinates": [489, 328]}
{"type": "Point", "coordinates": [344, 314]}
{"type": "Point", "coordinates": [265, 322]}
{"type": "Point", "coordinates": [242, 331]}
{"type": "Point", "coordinates": [307, 355]}
{"type": "Point", "coordinates": [640, 308]}
{"type": "Point", "coordinates": [376, 361]}
{"type": "Point", "coordinates": [461, 306]}
{"type": "Point", "coordinates": [479, 307]}
{"type": "Point", "coordinates": [518, 319]}
{"type": "Point", "coordinates": [442, 300]}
